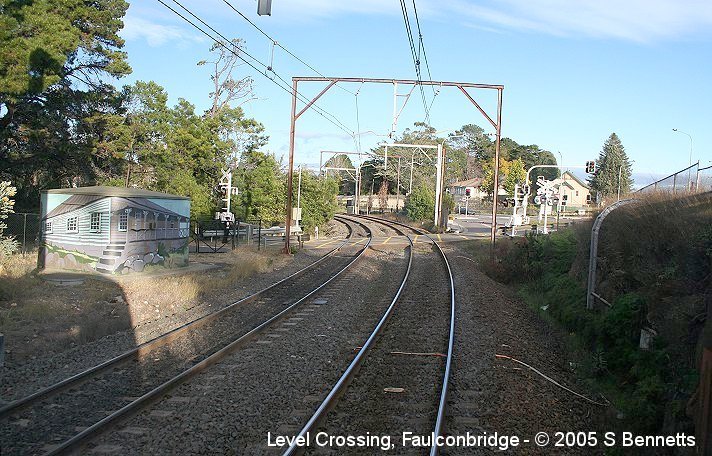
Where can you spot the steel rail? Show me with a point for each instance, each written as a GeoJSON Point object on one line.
{"type": "Point", "coordinates": [157, 342]}
{"type": "Point", "coordinates": [355, 364]}
{"type": "Point", "coordinates": [156, 393]}
{"type": "Point", "coordinates": [434, 449]}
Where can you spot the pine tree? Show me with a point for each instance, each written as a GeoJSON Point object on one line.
{"type": "Point", "coordinates": [613, 169]}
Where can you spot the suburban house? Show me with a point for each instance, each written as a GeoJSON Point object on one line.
{"type": "Point", "coordinates": [113, 229]}
{"type": "Point", "coordinates": [459, 189]}
{"type": "Point", "coordinates": [573, 191]}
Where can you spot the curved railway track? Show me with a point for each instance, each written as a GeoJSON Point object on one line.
{"type": "Point", "coordinates": [95, 398]}
{"type": "Point", "coordinates": [398, 380]}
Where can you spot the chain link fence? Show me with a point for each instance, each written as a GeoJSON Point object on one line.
{"type": "Point", "coordinates": [704, 179]}
{"type": "Point", "coordinates": [25, 228]}
{"type": "Point", "coordinates": [692, 179]}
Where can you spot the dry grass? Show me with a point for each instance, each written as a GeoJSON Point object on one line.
{"type": "Point", "coordinates": [15, 275]}
{"type": "Point", "coordinates": [149, 296]}
{"type": "Point", "coordinates": [39, 317]}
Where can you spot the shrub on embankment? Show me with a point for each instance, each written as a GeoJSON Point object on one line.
{"type": "Point", "coordinates": [655, 259]}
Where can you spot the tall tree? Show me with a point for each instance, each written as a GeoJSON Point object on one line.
{"type": "Point", "coordinates": [262, 188]}
{"type": "Point", "coordinates": [614, 171]}
{"type": "Point", "coordinates": [511, 172]}
{"type": "Point", "coordinates": [346, 179]}
{"type": "Point", "coordinates": [318, 200]}
{"type": "Point", "coordinates": [227, 89]}
{"type": "Point", "coordinates": [53, 57]}
{"type": "Point", "coordinates": [532, 155]}
{"type": "Point", "coordinates": [474, 141]}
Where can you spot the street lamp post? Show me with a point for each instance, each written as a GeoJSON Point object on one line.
{"type": "Point", "coordinates": [689, 182]}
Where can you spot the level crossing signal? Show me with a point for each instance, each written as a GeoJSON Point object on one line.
{"type": "Point", "coordinates": [590, 167]}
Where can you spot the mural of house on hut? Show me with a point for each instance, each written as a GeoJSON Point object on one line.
{"type": "Point", "coordinates": [113, 229]}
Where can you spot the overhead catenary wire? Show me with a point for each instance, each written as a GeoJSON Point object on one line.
{"type": "Point", "coordinates": [414, 54]}
{"type": "Point", "coordinates": [425, 56]}
{"type": "Point", "coordinates": [278, 44]}
{"type": "Point", "coordinates": [421, 45]}
{"type": "Point", "coordinates": [284, 84]}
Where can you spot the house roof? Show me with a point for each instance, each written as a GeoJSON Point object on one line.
{"type": "Point", "coordinates": [75, 202]}
{"type": "Point", "coordinates": [143, 204]}
{"type": "Point", "coordinates": [102, 191]}
{"type": "Point", "coordinates": [474, 182]}
{"type": "Point", "coordinates": [573, 177]}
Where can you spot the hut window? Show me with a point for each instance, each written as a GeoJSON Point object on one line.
{"type": "Point", "coordinates": [95, 225]}
{"type": "Point", "coordinates": [48, 227]}
{"type": "Point", "coordinates": [72, 225]}
{"type": "Point", "coordinates": [123, 222]}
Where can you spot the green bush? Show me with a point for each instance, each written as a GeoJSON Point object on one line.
{"type": "Point", "coordinates": [635, 380]}
{"type": "Point", "coordinates": [420, 204]}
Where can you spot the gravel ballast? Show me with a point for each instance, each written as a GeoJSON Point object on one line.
{"type": "Point", "coordinates": [274, 384]}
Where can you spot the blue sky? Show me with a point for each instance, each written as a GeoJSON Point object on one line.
{"type": "Point", "coordinates": [573, 71]}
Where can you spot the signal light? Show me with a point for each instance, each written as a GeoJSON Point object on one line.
{"type": "Point", "coordinates": [468, 192]}
{"type": "Point", "coordinates": [591, 167]}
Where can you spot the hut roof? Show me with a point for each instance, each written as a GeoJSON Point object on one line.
{"type": "Point", "coordinates": [103, 191]}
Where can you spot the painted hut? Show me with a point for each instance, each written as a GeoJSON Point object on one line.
{"type": "Point", "coordinates": [113, 229]}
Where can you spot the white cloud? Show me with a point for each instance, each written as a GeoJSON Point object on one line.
{"type": "Point", "coordinates": [628, 20]}
{"type": "Point", "coordinates": [138, 28]}
{"type": "Point", "coordinates": [305, 9]}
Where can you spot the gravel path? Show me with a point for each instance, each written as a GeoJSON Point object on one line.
{"type": "Point", "coordinates": [274, 384]}
{"type": "Point", "coordinates": [496, 395]}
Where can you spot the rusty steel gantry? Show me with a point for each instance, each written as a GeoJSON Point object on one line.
{"type": "Point", "coordinates": [463, 86]}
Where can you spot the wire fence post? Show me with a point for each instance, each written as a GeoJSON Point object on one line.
{"type": "Point", "coordinates": [24, 234]}
{"type": "Point", "coordinates": [593, 251]}
{"type": "Point", "coordinates": [259, 234]}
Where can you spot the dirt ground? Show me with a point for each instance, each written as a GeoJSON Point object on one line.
{"type": "Point", "coordinates": [38, 317]}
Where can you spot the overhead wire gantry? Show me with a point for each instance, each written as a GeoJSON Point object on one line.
{"type": "Point", "coordinates": [331, 81]}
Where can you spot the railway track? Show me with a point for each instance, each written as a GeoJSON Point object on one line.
{"type": "Point", "coordinates": [398, 381]}
{"type": "Point", "coordinates": [271, 384]}
{"type": "Point", "coordinates": [65, 415]}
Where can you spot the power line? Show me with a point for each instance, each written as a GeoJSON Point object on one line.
{"type": "Point", "coordinates": [414, 54]}
{"type": "Point", "coordinates": [422, 44]}
{"type": "Point", "coordinates": [284, 87]}
{"type": "Point", "coordinates": [277, 43]}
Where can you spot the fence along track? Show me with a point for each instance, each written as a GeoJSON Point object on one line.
{"type": "Point", "coordinates": [338, 389]}
{"type": "Point", "coordinates": [145, 399]}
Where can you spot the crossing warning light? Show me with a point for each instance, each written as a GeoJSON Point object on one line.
{"type": "Point", "coordinates": [590, 167]}
{"type": "Point", "coordinates": [468, 192]}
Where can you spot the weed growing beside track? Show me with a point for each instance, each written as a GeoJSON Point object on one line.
{"type": "Point", "coordinates": [656, 264]}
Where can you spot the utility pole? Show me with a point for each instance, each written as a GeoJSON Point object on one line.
{"type": "Point", "coordinates": [299, 192]}
{"type": "Point", "coordinates": [398, 186]}
{"type": "Point", "coordinates": [412, 162]}
{"type": "Point", "coordinates": [288, 222]}
{"type": "Point", "coordinates": [689, 172]}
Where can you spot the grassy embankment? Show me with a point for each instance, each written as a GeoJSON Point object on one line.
{"type": "Point", "coordinates": [655, 269]}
